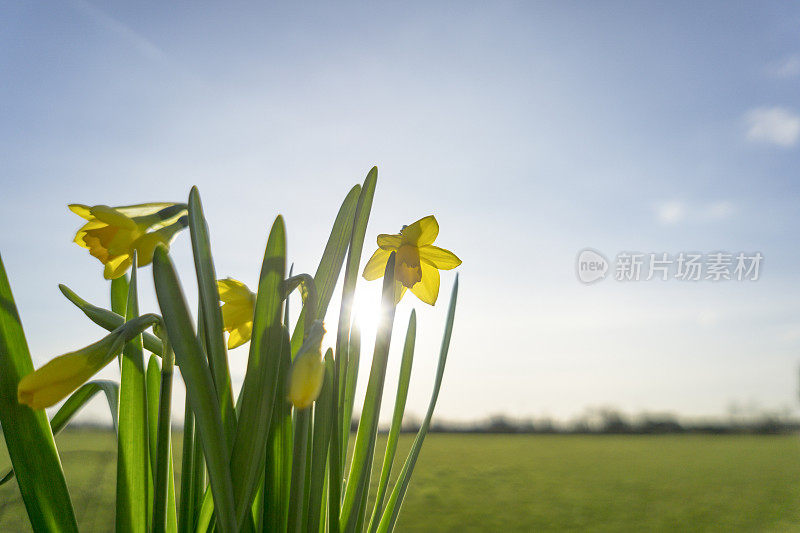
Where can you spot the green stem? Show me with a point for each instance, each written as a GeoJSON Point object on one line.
{"type": "Point", "coordinates": [163, 441]}
{"type": "Point", "coordinates": [296, 492]}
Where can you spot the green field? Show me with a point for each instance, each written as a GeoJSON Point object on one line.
{"type": "Point", "coordinates": [534, 483]}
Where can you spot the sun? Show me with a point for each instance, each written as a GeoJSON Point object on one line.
{"type": "Point", "coordinates": [367, 309]}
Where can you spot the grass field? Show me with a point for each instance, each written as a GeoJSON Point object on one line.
{"type": "Point", "coordinates": [533, 483]}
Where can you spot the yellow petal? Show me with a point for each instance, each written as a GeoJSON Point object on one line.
{"type": "Point", "coordinates": [234, 314]}
{"type": "Point", "coordinates": [376, 266]}
{"type": "Point", "coordinates": [427, 290]}
{"type": "Point", "coordinates": [389, 242]}
{"type": "Point", "coordinates": [231, 290]}
{"type": "Point", "coordinates": [141, 210]}
{"type": "Point", "coordinates": [439, 257]}
{"type": "Point", "coordinates": [112, 217]}
{"type": "Point", "coordinates": [421, 232]}
{"type": "Point", "coordinates": [81, 210]}
{"type": "Point", "coordinates": [146, 246]}
{"type": "Point", "coordinates": [240, 335]}
{"type": "Point", "coordinates": [117, 266]}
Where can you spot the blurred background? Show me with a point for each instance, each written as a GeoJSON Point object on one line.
{"type": "Point", "coordinates": [531, 130]}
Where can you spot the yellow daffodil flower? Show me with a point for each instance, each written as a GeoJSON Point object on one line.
{"type": "Point", "coordinates": [417, 261]}
{"type": "Point", "coordinates": [308, 370]}
{"type": "Point", "coordinates": [111, 234]}
{"type": "Point", "coordinates": [237, 310]}
{"type": "Point", "coordinates": [60, 376]}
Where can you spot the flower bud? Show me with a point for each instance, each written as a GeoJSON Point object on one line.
{"type": "Point", "coordinates": [305, 379]}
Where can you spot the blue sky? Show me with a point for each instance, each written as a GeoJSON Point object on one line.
{"type": "Point", "coordinates": [532, 131]}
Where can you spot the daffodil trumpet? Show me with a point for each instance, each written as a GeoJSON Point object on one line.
{"type": "Point", "coordinates": [112, 234]}
{"type": "Point", "coordinates": [308, 370]}
{"type": "Point", "coordinates": [62, 375]}
{"type": "Point", "coordinates": [418, 261]}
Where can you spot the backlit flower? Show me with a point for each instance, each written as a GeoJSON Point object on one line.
{"type": "Point", "coordinates": [417, 261]}
{"type": "Point", "coordinates": [237, 310]}
{"type": "Point", "coordinates": [111, 234]}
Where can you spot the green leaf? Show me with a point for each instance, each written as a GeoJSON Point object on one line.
{"type": "Point", "coordinates": [74, 404]}
{"type": "Point", "coordinates": [323, 414]}
{"type": "Point", "coordinates": [330, 265]}
{"type": "Point", "coordinates": [351, 380]}
{"type": "Point", "coordinates": [28, 436]}
{"type": "Point", "coordinates": [397, 419]}
{"type": "Point", "coordinates": [119, 295]}
{"type": "Point", "coordinates": [355, 495]}
{"type": "Point", "coordinates": [186, 511]}
{"type": "Point", "coordinates": [164, 514]}
{"type": "Point", "coordinates": [212, 315]}
{"type": "Point", "coordinates": [302, 427]}
{"type": "Point", "coordinates": [390, 514]}
{"type": "Point", "coordinates": [108, 320]}
{"type": "Point", "coordinates": [261, 378]}
{"type": "Point", "coordinates": [356, 244]}
{"type": "Point", "coordinates": [133, 462]}
{"type": "Point", "coordinates": [277, 470]}
{"type": "Point", "coordinates": [199, 386]}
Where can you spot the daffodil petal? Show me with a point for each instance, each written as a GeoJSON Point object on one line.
{"type": "Point", "coordinates": [427, 290]}
{"type": "Point", "coordinates": [439, 257]}
{"type": "Point", "coordinates": [240, 335]}
{"type": "Point", "coordinates": [83, 211]}
{"type": "Point", "coordinates": [234, 314]}
{"type": "Point", "coordinates": [117, 266]}
{"type": "Point", "coordinates": [421, 232]}
{"type": "Point", "coordinates": [140, 210]}
{"type": "Point", "coordinates": [389, 242]}
{"type": "Point", "coordinates": [376, 266]}
{"type": "Point", "coordinates": [231, 290]}
{"type": "Point", "coordinates": [112, 217]}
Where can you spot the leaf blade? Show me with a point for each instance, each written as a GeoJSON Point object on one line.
{"type": "Point", "coordinates": [27, 433]}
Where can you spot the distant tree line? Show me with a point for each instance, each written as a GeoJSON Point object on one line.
{"type": "Point", "coordinates": [608, 421]}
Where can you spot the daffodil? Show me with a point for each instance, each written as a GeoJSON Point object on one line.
{"type": "Point", "coordinates": [237, 310]}
{"type": "Point", "coordinates": [111, 234]}
{"type": "Point", "coordinates": [307, 374]}
{"type": "Point", "coordinates": [417, 260]}
{"type": "Point", "coordinates": [60, 376]}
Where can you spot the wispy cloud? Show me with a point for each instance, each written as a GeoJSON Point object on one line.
{"type": "Point", "coordinates": [773, 125]}
{"type": "Point", "coordinates": [138, 41]}
{"type": "Point", "coordinates": [672, 212]}
{"type": "Point", "coordinates": [669, 213]}
{"type": "Point", "coordinates": [787, 67]}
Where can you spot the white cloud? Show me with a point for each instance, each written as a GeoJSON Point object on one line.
{"type": "Point", "coordinates": [773, 125]}
{"type": "Point", "coordinates": [669, 213]}
{"type": "Point", "coordinates": [788, 67]}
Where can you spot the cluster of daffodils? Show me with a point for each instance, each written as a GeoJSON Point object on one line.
{"type": "Point", "coordinates": [276, 458]}
{"type": "Point", "coordinates": [115, 234]}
